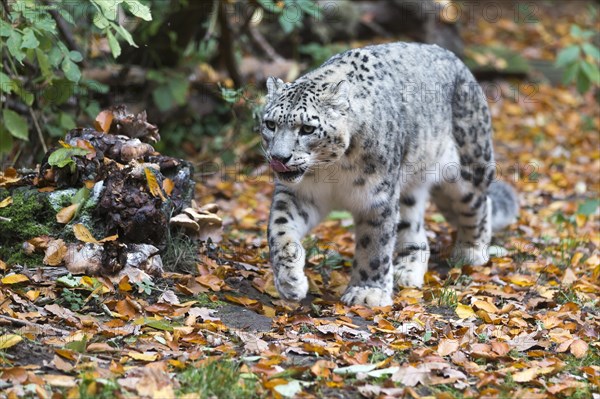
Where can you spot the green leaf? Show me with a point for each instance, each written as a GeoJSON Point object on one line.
{"type": "Point", "coordinates": [100, 21]}
{"type": "Point", "coordinates": [71, 70]}
{"type": "Point", "coordinates": [75, 56]}
{"type": "Point", "coordinates": [81, 196]}
{"type": "Point", "coordinates": [77, 346]}
{"type": "Point", "coordinates": [29, 39]}
{"type": "Point", "coordinates": [179, 89]}
{"type": "Point", "coordinates": [66, 121]}
{"type": "Point", "coordinates": [108, 7]}
{"type": "Point", "coordinates": [163, 98]}
{"type": "Point", "coordinates": [16, 124]}
{"type": "Point", "coordinates": [6, 140]}
{"type": "Point", "coordinates": [14, 45]}
{"type": "Point", "coordinates": [55, 56]}
{"type": "Point", "coordinates": [64, 156]}
{"type": "Point", "coordinates": [6, 83]}
{"type": "Point", "coordinates": [270, 6]}
{"type": "Point", "coordinates": [5, 28]}
{"type": "Point", "coordinates": [591, 51]}
{"type": "Point", "coordinates": [66, 15]}
{"type": "Point", "coordinates": [286, 23]}
{"type": "Point", "coordinates": [592, 71]}
{"type": "Point", "coordinates": [355, 369]}
{"type": "Point", "coordinates": [575, 31]}
{"type": "Point", "coordinates": [115, 47]}
{"type": "Point", "coordinates": [339, 215]}
{"type": "Point", "coordinates": [139, 10]}
{"type": "Point", "coordinates": [69, 280]}
{"type": "Point", "coordinates": [588, 208]}
{"type": "Point", "coordinates": [567, 56]}
{"type": "Point", "coordinates": [125, 34]}
{"type": "Point", "coordinates": [571, 73]}
{"type": "Point", "coordinates": [44, 63]}
{"type": "Point", "coordinates": [163, 324]}
{"type": "Point", "coordinates": [583, 82]}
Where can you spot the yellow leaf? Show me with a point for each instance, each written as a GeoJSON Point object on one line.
{"type": "Point", "coordinates": [487, 306]}
{"type": "Point", "coordinates": [8, 340]}
{"type": "Point", "coordinates": [3, 266]}
{"type": "Point", "coordinates": [464, 311]}
{"type": "Point", "coordinates": [83, 234]}
{"type": "Point", "coordinates": [65, 215]}
{"type": "Point", "coordinates": [14, 279]}
{"type": "Point", "coordinates": [155, 189]}
{"type": "Point", "coordinates": [576, 258]}
{"type": "Point", "coordinates": [65, 145]}
{"type": "Point", "coordinates": [111, 238]}
{"type": "Point", "coordinates": [579, 348]}
{"type": "Point", "coordinates": [6, 202]}
{"type": "Point", "coordinates": [32, 295]}
{"type": "Point", "coordinates": [146, 357]}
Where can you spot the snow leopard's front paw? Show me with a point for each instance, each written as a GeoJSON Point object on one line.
{"type": "Point", "coordinates": [474, 255]}
{"type": "Point", "coordinates": [291, 284]}
{"type": "Point", "coordinates": [369, 296]}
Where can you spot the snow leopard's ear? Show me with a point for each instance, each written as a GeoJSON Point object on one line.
{"type": "Point", "coordinates": [336, 96]}
{"type": "Point", "coordinates": [273, 86]}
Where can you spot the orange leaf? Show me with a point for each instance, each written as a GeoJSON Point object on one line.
{"type": "Point", "coordinates": [241, 300]}
{"type": "Point", "coordinates": [124, 284]}
{"type": "Point", "coordinates": [103, 121]}
{"type": "Point", "coordinates": [168, 185]}
{"type": "Point", "coordinates": [211, 281]}
{"type": "Point", "coordinates": [153, 186]}
{"type": "Point", "coordinates": [65, 215]}
{"type": "Point", "coordinates": [83, 234]}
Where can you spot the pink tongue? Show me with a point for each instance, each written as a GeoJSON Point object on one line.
{"type": "Point", "coordinates": [278, 166]}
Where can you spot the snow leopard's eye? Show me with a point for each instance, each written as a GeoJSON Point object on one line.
{"type": "Point", "coordinates": [270, 125]}
{"type": "Point", "coordinates": [307, 129]}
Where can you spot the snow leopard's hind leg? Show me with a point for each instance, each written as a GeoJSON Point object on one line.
{"type": "Point", "coordinates": [464, 198]}
{"type": "Point", "coordinates": [412, 249]}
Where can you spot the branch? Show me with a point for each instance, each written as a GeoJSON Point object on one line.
{"type": "Point", "coordinates": [227, 49]}
{"type": "Point", "coordinates": [259, 41]}
{"type": "Point", "coordinates": [39, 327]}
{"type": "Point", "coordinates": [65, 32]}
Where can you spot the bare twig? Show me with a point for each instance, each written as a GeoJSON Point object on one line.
{"type": "Point", "coordinates": [212, 25]}
{"type": "Point", "coordinates": [226, 47]}
{"type": "Point", "coordinates": [38, 130]}
{"type": "Point", "coordinates": [43, 328]}
{"type": "Point", "coordinates": [259, 41]}
{"type": "Point", "coordinates": [3, 219]}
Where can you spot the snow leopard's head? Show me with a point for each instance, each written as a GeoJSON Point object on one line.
{"type": "Point", "coordinates": [304, 126]}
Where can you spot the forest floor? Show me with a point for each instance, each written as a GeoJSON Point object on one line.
{"type": "Point", "coordinates": [526, 325]}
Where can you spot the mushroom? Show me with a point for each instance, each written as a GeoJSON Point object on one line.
{"type": "Point", "coordinates": [183, 220]}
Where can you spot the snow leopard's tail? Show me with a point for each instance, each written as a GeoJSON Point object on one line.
{"type": "Point", "coordinates": [505, 204]}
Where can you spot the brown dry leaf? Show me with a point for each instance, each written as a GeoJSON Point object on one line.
{"type": "Point", "coordinates": [3, 265]}
{"type": "Point", "coordinates": [65, 215]}
{"type": "Point", "coordinates": [14, 279]}
{"type": "Point", "coordinates": [55, 253]}
{"type": "Point", "coordinates": [6, 202]}
{"type": "Point", "coordinates": [153, 185]}
{"type": "Point", "coordinates": [103, 121]}
{"type": "Point", "coordinates": [579, 348]}
{"type": "Point", "coordinates": [526, 375]}
{"type": "Point", "coordinates": [447, 346]}
{"type": "Point", "coordinates": [487, 306]}
{"type": "Point", "coordinates": [252, 343]}
{"type": "Point", "coordinates": [211, 281]}
{"type": "Point", "coordinates": [242, 300]}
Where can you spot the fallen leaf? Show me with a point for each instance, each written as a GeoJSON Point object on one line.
{"type": "Point", "coordinates": [447, 346]}
{"type": "Point", "coordinates": [168, 185]}
{"type": "Point", "coordinates": [6, 341]}
{"type": "Point", "coordinates": [464, 311]}
{"type": "Point", "coordinates": [14, 279]}
{"type": "Point", "coordinates": [103, 121]}
{"type": "Point", "coordinates": [153, 186]}
{"type": "Point", "coordinates": [145, 357]}
{"type": "Point", "coordinates": [65, 215]}
{"type": "Point", "coordinates": [55, 253]}
{"type": "Point", "coordinates": [83, 234]}
{"type": "Point", "coordinates": [6, 202]}
{"type": "Point", "coordinates": [579, 348]}
{"type": "Point", "coordinates": [525, 375]}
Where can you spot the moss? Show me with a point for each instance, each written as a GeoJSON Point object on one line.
{"type": "Point", "coordinates": [30, 216]}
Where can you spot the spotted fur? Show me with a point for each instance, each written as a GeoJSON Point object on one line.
{"type": "Point", "coordinates": [376, 131]}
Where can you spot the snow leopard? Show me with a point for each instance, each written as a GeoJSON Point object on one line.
{"type": "Point", "coordinates": [378, 131]}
